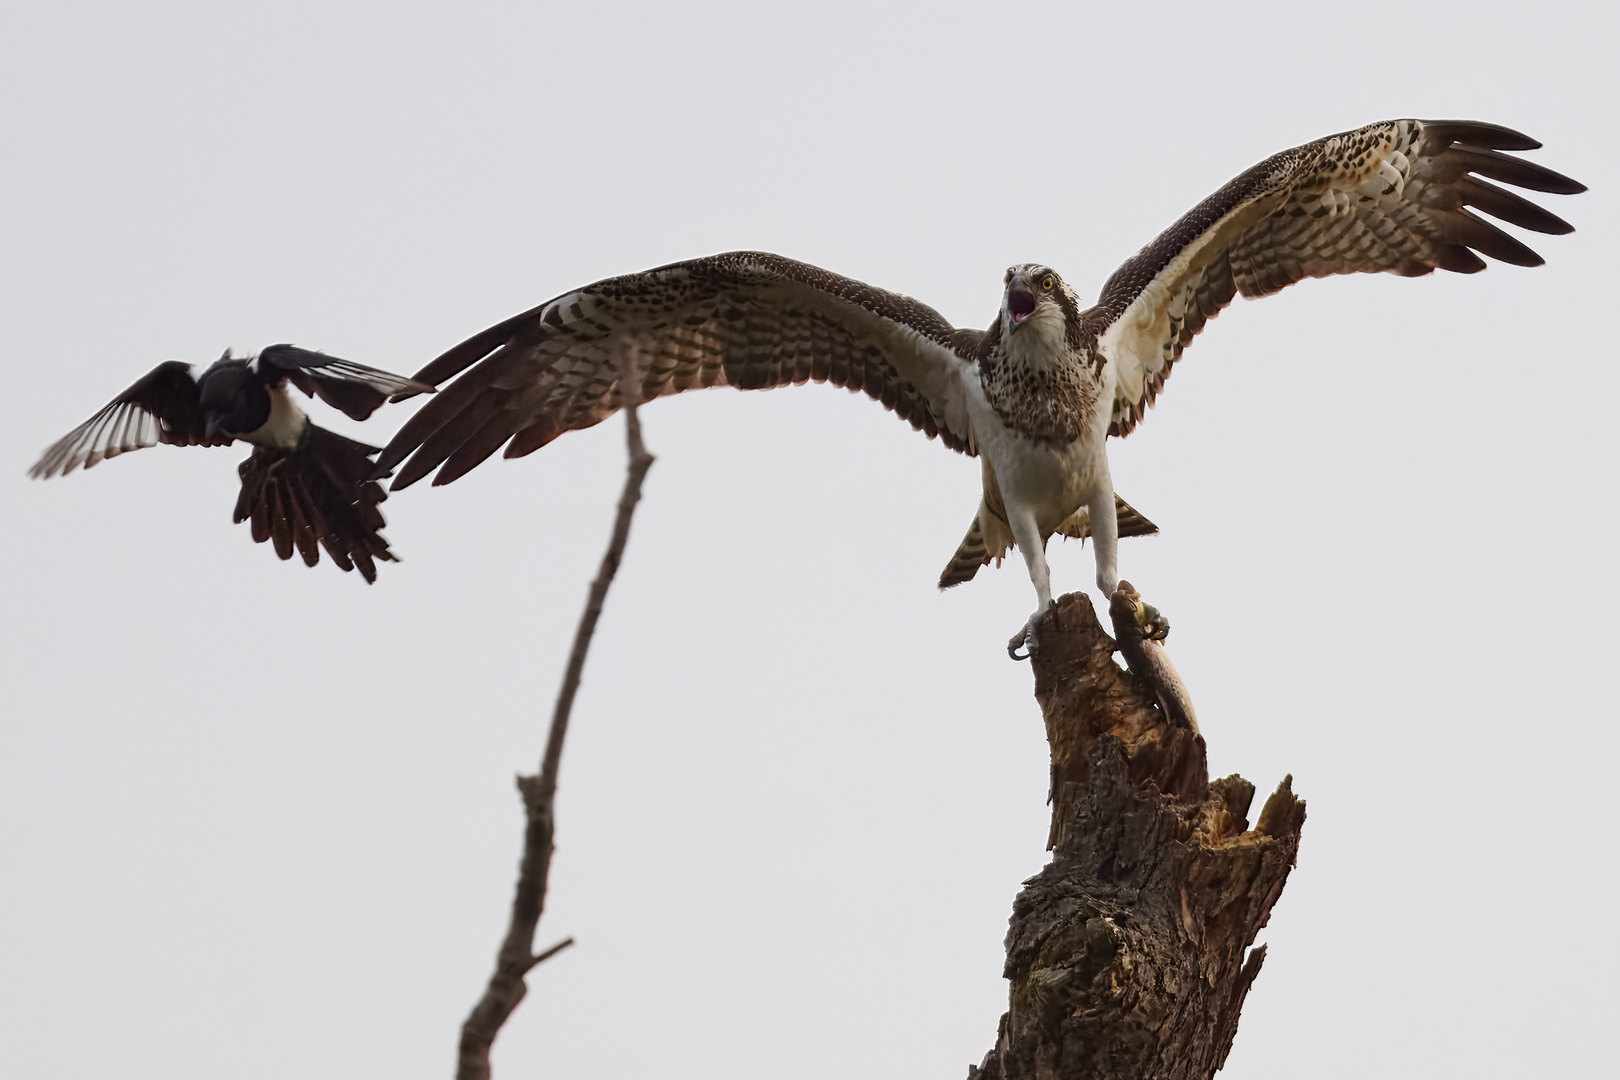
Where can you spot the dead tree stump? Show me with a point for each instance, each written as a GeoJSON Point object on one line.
{"type": "Point", "coordinates": [1126, 954]}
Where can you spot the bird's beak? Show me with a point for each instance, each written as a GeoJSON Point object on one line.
{"type": "Point", "coordinates": [1020, 302]}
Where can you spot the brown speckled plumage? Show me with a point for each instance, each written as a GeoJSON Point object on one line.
{"type": "Point", "coordinates": [750, 320]}
{"type": "Point", "coordinates": [1390, 197]}
{"type": "Point", "coordinates": [1047, 406]}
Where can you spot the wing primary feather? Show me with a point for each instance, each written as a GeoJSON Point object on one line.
{"type": "Point", "coordinates": [478, 446]}
{"type": "Point", "coordinates": [533, 437]}
{"type": "Point", "coordinates": [439, 445]}
{"type": "Point", "coordinates": [354, 389]}
{"type": "Point", "coordinates": [1458, 259]}
{"type": "Point", "coordinates": [161, 406]}
{"type": "Point", "coordinates": [458, 358]}
{"type": "Point", "coordinates": [1476, 133]}
{"type": "Point", "coordinates": [750, 320]}
{"type": "Point", "coordinates": [1487, 239]}
{"type": "Point", "coordinates": [1515, 171]}
{"type": "Point", "coordinates": [1506, 206]}
{"type": "Point", "coordinates": [443, 410]}
{"type": "Point", "coordinates": [1389, 197]}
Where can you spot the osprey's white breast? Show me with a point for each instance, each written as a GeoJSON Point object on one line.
{"type": "Point", "coordinates": [1056, 468]}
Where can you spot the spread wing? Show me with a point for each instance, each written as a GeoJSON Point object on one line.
{"type": "Point", "coordinates": [1391, 197]}
{"type": "Point", "coordinates": [743, 319]}
{"type": "Point", "coordinates": [160, 408]}
{"type": "Point", "coordinates": [354, 388]}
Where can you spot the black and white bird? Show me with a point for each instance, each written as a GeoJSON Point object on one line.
{"type": "Point", "coordinates": [303, 487]}
{"type": "Point", "coordinates": [1037, 394]}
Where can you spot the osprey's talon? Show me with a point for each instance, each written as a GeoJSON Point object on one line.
{"type": "Point", "coordinates": [1026, 636]}
{"type": "Point", "coordinates": [1020, 638]}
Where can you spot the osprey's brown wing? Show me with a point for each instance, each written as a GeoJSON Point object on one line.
{"type": "Point", "coordinates": [743, 319]}
{"type": "Point", "coordinates": [1391, 197]}
{"type": "Point", "coordinates": [160, 408]}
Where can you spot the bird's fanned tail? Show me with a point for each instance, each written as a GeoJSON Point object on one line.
{"type": "Point", "coordinates": [318, 495]}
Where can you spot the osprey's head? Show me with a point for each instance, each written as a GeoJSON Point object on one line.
{"type": "Point", "coordinates": [1036, 295]}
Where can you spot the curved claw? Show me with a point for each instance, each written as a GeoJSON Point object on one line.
{"type": "Point", "coordinates": [1020, 638]}
{"type": "Point", "coordinates": [1026, 636]}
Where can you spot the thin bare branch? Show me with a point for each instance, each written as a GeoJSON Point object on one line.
{"type": "Point", "coordinates": [506, 986]}
{"type": "Point", "coordinates": [549, 953]}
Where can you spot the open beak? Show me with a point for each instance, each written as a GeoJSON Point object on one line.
{"type": "Point", "coordinates": [1020, 301]}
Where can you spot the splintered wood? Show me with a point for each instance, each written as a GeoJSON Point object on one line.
{"type": "Point", "coordinates": [1129, 954]}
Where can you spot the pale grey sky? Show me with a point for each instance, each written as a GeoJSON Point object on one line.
{"type": "Point", "coordinates": [258, 820]}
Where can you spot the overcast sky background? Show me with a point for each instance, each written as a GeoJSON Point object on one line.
{"type": "Point", "coordinates": [258, 820]}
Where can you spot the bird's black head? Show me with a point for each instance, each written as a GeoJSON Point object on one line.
{"type": "Point", "coordinates": [234, 399]}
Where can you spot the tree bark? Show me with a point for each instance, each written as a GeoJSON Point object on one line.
{"type": "Point", "coordinates": [1126, 954]}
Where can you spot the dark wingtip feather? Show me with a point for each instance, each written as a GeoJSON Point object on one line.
{"type": "Point", "coordinates": [458, 358]}
{"type": "Point", "coordinates": [1506, 206]}
{"type": "Point", "coordinates": [1515, 171]}
{"type": "Point", "coordinates": [479, 446]}
{"type": "Point", "coordinates": [1458, 259]}
{"type": "Point", "coordinates": [1487, 239]}
{"type": "Point", "coordinates": [1477, 133]}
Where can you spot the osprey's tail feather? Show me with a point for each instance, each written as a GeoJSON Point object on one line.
{"type": "Point", "coordinates": [320, 493]}
{"type": "Point", "coordinates": [972, 554]}
{"type": "Point", "coordinates": [1131, 522]}
{"type": "Point", "coordinates": [976, 550]}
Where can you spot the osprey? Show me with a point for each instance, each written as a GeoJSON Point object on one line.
{"type": "Point", "coordinates": [302, 485]}
{"type": "Point", "coordinates": [1037, 394]}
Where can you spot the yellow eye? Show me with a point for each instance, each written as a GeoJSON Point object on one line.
{"type": "Point", "coordinates": [1046, 283]}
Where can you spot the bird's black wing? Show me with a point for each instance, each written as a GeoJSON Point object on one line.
{"type": "Point", "coordinates": [318, 494]}
{"type": "Point", "coordinates": [354, 388]}
{"type": "Point", "coordinates": [162, 407]}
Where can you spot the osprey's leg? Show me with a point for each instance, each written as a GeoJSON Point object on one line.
{"type": "Point", "coordinates": [1027, 535]}
{"type": "Point", "coordinates": [1105, 537]}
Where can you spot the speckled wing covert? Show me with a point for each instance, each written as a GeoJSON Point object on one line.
{"type": "Point", "coordinates": [162, 407]}
{"type": "Point", "coordinates": [743, 319]}
{"type": "Point", "coordinates": [1390, 197]}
